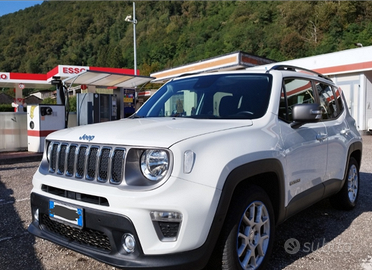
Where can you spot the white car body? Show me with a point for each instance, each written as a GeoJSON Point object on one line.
{"type": "Point", "coordinates": [208, 158]}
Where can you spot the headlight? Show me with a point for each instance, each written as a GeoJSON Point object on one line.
{"type": "Point", "coordinates": [154, 164]}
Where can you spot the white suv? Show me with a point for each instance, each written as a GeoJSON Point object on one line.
{"type": "Point", "coordinates": [202, 173]}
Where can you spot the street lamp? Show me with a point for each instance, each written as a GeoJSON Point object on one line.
{"type": "Point", "coordinates": [134, 21]}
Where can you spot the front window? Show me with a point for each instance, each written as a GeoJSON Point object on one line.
{"type": "Point", "coordinates": [295, 91]}
{"type": "Point", "coordinates": [217, 96]}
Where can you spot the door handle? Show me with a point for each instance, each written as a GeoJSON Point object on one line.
{"type": "Point", "coordinates": [345, 131]}
{"type": "Point", "coordinates": [321, 136]}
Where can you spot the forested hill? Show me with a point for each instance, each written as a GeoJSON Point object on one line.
{"type": "Point", "coordinates": [173, 33]}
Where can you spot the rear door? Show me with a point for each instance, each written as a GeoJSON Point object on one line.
{"type": "Point", "coordinates": [339, 135]}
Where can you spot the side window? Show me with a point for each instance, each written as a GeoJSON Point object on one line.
{"type": "Point", "coordinates": [297, 91]}
{"type": "Point", "coordinates": [283, 106]}
{"type": "Point", "coordinates": [340, 104]}
{"type": "Point", "coordinates": [327, 100]}
{"type": "Point", "coordinates": [330, 100]}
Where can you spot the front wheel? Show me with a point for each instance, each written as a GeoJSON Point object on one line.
{"type": "Point", "coordinates": [347, 197]}
{"type": "Point", "coordinates": [247, 236]}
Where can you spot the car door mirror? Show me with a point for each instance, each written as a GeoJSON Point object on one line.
{"type": "Point", "coordinates": [306, 113]}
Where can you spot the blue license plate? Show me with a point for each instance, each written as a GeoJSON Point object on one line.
{"type": "Point", "coordinates": [66, 213]}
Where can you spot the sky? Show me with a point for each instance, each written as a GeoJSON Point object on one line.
{"type": "Point", "coordinates": [13, 6]}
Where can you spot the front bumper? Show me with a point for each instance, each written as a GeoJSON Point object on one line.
{"type": "Point", "coordinates": [101, 237]}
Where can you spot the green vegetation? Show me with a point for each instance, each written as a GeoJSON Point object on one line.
{"type": "Point", "coordinates": [6, 108]}
{"type": "Point", "coordinates": [49, 101]}
{"type": "Point", "coordinates": [71, 102]}
{"type": "Point", "coordinates": [173, 33]}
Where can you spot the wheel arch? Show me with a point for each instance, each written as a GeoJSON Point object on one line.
{"type": "Point", "coordinates": [267, 174]}
{"type": "Point", "coordinates": [355, 151]}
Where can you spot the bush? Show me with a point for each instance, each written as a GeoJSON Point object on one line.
{"type": "Point", "coordinates": [72, 103]}
{"type": "Point", "coordinates": [6, 108]}
{"type": "Point", "coordinates": [49, 101]}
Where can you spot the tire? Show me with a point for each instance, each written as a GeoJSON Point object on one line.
{"type": "Point", "coordinates": [247, 235]}
{"type": "Point", "coordinates": [347, 197]}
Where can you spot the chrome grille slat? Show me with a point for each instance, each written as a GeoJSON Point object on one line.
{"type": "Point", "coordinates": [117, 166]}
{"type": "Point", "coordinates": [70, 166]}
{"type": "Point", "coordinates": [80, 163]}
{"type": "Point", "coordinates": [61, 158]}
{"type": "Point", "coordinates": [53, 157]}
{"type": "Point", "coordinates": [104, 164]}
{"type": "Point", "coordinates": [91, 162]}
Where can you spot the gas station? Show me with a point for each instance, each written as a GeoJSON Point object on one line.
{"type": "Point", "coordinates": [110, 93]}
{"type": "Point", "coordinates": [106, 93]}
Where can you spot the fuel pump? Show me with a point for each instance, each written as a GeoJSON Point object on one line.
{"type": "Point", "coordinates": [62, 96]}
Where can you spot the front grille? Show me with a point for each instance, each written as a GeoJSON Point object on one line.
{"type": "Point", "coordinates": [85, 236]}
{"type": "Point", "coordinates": [75, 195]}
{"type": "Point", "coordinates": [90, 162]}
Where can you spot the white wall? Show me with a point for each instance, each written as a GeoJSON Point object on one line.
{"type": "Point", "coordinates": [369, 99]}
{"type": "Point", "coordinates": [13, 130]}
{"type": "Point", "coordinates": [350, 87]}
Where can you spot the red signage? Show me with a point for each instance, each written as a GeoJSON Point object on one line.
{"type": "Point", "coordinates": [3, 76]}
{"type": "Point", "coordinates": [72, 70]}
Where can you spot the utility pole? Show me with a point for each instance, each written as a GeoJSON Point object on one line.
{"type": "Point", "coordinates": [134, 21]}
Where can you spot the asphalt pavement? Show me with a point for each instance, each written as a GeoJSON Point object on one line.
{"type": "Point", "coordinates": [324, 238]}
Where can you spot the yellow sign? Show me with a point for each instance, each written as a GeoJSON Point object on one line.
{"type": "Point", "coordinates": [32, 112]}
{"type": "Point", "coordinates": [128, 100]}
{"type": "Point", "coordinates": [104, 91]}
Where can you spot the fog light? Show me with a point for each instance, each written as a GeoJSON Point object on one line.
{"type": "Point", "coordinates": [128, 242]}
{"type": "Point", "coordinates": [36, 215]}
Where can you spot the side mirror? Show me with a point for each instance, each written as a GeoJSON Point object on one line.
{"type": "Point", "coordinates": [306, 113]}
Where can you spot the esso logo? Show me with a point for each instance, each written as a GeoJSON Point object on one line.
{"type": "Point", "coordinates": [72, 70]}
{"type": "Point", "coordinates": [3, 77]}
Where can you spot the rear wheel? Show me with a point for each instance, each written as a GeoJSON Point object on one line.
{"type": "Point", "coordinates": [347, 197]}
{"type": "Point", "coordinates": [247, 236]}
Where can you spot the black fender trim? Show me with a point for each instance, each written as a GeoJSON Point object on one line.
{"type": "Point", "coordinates": [355, 150]}
{"type": "Point", "coordinates": [250, 170]}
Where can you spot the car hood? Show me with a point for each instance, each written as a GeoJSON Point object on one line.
{"type": "Point", "coordinates": [157, 132]}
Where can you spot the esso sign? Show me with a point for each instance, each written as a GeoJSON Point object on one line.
{"type": "Point", "coordinates": [72, 70]}
{"type": "Point", "coordinates": [3, 76]}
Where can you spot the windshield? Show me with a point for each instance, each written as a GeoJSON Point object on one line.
{"type": "Point", "coordinates": [217, 96]}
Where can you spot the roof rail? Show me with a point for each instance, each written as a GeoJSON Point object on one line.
{"type": "Point", "coordinates": [294, 68]}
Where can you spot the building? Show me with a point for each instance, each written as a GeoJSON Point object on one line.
{"type": "Point", "coordinates": [350, 69]}
{"type": "Point", "coordinates": [231, 61]}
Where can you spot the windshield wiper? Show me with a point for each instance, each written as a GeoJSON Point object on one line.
{"type": "Point", "coordinates": [136, 116]}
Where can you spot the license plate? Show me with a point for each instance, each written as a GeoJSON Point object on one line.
{"type": "Point", "coordinates": [66, 213]}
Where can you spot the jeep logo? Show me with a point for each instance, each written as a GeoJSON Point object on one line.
{"type": "Point", "coordinates": [86, 137]}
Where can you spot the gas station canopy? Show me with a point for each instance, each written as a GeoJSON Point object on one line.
{"type": "Point", "coordinates": [20, 81]}
{"type": "Point", "coordinates": [108, 79]}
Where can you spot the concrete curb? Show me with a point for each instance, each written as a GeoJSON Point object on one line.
{"type": "Point", "coordinates": [18, 157]}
